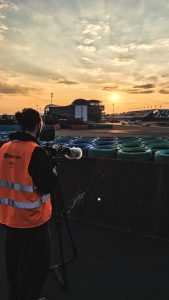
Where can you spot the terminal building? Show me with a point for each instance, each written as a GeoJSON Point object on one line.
{"type": "Point", "coordinates": [80, 111]}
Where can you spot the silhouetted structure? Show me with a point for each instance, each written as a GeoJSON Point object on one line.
{"type": "Point", "coordinates": [79, 111]}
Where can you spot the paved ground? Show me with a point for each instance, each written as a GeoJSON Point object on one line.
{"type": "Point", "coordinates": [111, 266]}
{"type": "Point", "coordinates": [118, 130]}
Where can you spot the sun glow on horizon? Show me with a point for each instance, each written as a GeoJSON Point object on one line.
{"type": "Point", "coordinates": [115, 97]}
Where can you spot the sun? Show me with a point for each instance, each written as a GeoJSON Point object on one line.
{"type": "Point", "coordinates": [115, 97]}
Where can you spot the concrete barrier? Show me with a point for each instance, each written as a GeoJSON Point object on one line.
{"type": "Point", "coordinates": [132, 196]}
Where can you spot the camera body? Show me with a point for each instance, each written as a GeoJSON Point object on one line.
{"type": "Point", "coordinates": [57, 151]}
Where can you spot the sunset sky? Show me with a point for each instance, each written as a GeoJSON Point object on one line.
{"type": "Point", "coordinates": [116, 51]}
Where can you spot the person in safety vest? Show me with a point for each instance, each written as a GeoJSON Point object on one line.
{"type": "Point", "coordinates": [26, 180]}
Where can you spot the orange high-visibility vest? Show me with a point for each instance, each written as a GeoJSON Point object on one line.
{"type": "Point", "coordinates": [21, 206]}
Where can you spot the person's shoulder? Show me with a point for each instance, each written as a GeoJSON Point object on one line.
{"type": "Point", "coordinates": [39, 152]}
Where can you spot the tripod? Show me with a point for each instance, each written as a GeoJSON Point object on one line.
{"type": "Point", "coordinates": [59, 212]}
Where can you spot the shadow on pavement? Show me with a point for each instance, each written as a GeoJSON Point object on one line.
{"type": "Point", "coordinates": [111, 265]}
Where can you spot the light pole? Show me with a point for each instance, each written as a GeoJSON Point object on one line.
{"type": "Point", "coordinates": [51, 95]}
{"type": "Point", "coordinates": [113, 110]}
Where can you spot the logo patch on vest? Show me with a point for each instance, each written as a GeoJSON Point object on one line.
{"type": "Point", "coordinates": [7, 155]}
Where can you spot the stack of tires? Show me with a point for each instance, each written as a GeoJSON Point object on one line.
{"type": "Point", "coordinates": [105, 147]}
{"type": "Point", "coordinates": [162, 156]}
{"type": "Point", "coordinates": [134, 149]}
{"type": "Point", "coordinates": [157, 144]}
{"type": "Point", "coordinates": [65, 140]}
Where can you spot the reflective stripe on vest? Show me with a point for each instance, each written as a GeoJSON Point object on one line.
{"type": "Point", "coordinates": [24, 205]}
{"type": "Point", "coordinates": [16, 186]}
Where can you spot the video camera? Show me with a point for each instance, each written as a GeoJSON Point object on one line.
{"type": "Point", "coordinates": [58, 151]}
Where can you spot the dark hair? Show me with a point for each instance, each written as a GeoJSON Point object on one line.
{"type": "Point", "coordinates": [28, 118]}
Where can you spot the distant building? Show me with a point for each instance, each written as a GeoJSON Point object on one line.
{"type": "Point", "coordinates": [146, 115]}
{"type": "Point", "coordinates": [79, 111]}
{"type": "Point", "coordinates": [7, 119]}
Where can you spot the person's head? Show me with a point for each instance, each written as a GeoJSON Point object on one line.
{"type": "Point", "coordinates": [29, 121]}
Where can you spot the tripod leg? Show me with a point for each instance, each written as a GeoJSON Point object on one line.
{"type": "Point", "coordinates": [61, 276]}
{"type": "Point", "coordinates": [64, 213]}
{"type": "Point", "coordinates": [58, 210]}
{"type": "Point", "coordinates": [70, 234]}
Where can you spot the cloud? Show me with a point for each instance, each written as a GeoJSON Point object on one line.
{"type": "Point", "coordinates": [119, 48]}
{"type": "Point", "coordinates": [87, 48]}
{"type": "Point", "coordinates": [1, 37]}
{"type": "Point", "coordinates": [14, 89]}
{"type": "Point", "coordinates": [139, 92]}
{"type": "Point", "coordinates": [164, 91]}
{"type": "Point", "coordinates": [145, 47]}
{"type": "Point", "coordinates": [159, 43]}
{"type": "Point", "coordinates": [2, 30]}
{"type": "Point", "coordinates": [94, 29]}
{"type": "Point", "coordinates": [4, 5]}
{"type": "Point", "coordinates": [165, 75]}
{"type": "Point", "coordinates": [126, 90]}
{"type": "Point", "coordinates": [7, 4]}
{"type": "Point", "coordinates": [109, 88]}
{"type": "Point", "coordinates": [64, 81]}
{"type": "Point", "coordinates": [88, 41]}
{"type": "Point", "coordinates": [32, 69]}
{"type": "Point", "coordinates": [122, 48]}
{"type": "Point", "coordinates": [122, 61]}
{"type": "Point", "coordinates": [128, 47]}
{"type": "Point", "coordinates": [144, 86]}
{"type": "Point", "coordinates": [3, 27]}
{"type": "Point", "coordinates": [86, 59]}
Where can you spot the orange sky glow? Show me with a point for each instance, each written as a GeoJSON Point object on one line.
{"type": "Point", "coordinates": [113, 51]}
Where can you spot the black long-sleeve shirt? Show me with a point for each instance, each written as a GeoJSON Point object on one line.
{"type": "Point", "coordinates": [40, 168]}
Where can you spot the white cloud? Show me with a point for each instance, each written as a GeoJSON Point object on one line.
{"type": "Point", "coordinates": [20, 47]}
{"type": "Point", "coordinates": [120, 62]}
{"type": "Point", "coordinates": [145, 47]}
{"type": "Point", "coordinates": [94, 29]}
{"type": "Point", "coordinates": [89, 49]}
{"type": "Point", "coordinates": [4, 6]}
{"type": "Point", "coordinates": [86, 59]}
{"type": "Point", "coordinates": [88, 41]}
{"type": "Point", "coordinates": [119, 49]}
{"type": "Point", "coordinates": [159, 43]}
{"type": "Point", "coordinates": [162, 43]}
{"type": "Point", "coordinates": [122, 48]}
{"type": "Point", "coordinates": [1, 37]}
{"type": "Point", "coordinates": [7, 4]}
{"type": "Point", "coordinates": [96, 72]}
{"type": "Point", "coordinates": [3, 27]}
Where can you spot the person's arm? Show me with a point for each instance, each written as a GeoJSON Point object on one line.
{"type": "Point", "coordinates": [40, 169]}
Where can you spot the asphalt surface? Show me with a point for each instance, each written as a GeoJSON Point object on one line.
{"type": "Point", "coordinates": [112, 265]}
{"type": "Point", "coordinates": [118, 130]}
